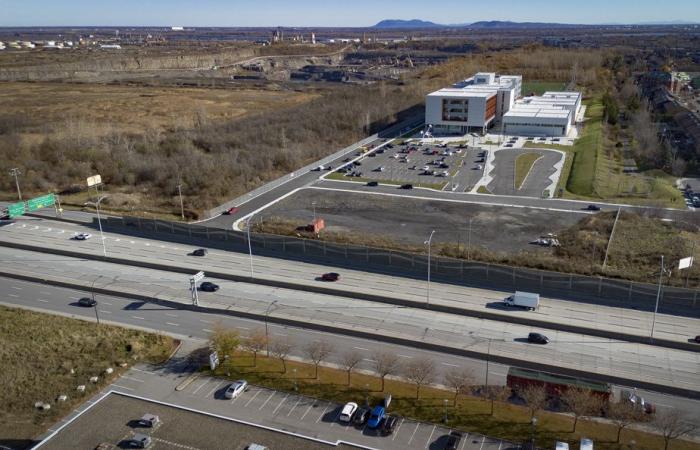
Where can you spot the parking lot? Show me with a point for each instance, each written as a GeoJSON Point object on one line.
{"type": "Point", "coordinates": [537, 180]}
{"type": "Point", "coordinates": [457, 168]}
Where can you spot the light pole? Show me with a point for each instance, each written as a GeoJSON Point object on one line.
{"type": "Point", "coordinates": [296, 387]}
{"type": "Point", "coordinates": [99, 222]}
{"type": "Point", "coordinates": [488, 356]}
{"type": "Point", "coordinates": [250, 248]}
{"type": "Point", "coordinates": [267, 334]}
{"type": "Point", "coordinates": [182, 204]}
{"type": "Point", "coordinates": [428, 243]}
{"type": "Point", "coordinates": [92, 291]}
{"type": "Point", "coordinates": [313, 204]}
{"type": "Point", "coordinates": [533, 423]}
{"type": "Point", "coordinates": [658, 297]}
{"type": "Point", "coordinates": [469, 240]}
{"type": "Point", "coordinates": [15, 172]}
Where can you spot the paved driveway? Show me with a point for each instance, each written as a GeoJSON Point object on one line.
{"type": "Point", "coordinates": [536, 181]}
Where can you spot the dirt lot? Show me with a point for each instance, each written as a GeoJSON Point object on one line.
{"type": "Point", "coordinates": [410, 221]}
{"type": "Point", "coordinates": [134, 109]}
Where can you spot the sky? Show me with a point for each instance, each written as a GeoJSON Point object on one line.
{"type": "Point", "coordinates": [334, 13]}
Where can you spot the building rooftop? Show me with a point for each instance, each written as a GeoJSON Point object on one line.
{"type": "Point", "coordinates": [482, 84]}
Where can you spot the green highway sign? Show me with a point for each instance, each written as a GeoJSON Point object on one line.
{"type": "Point", "coordinates": [15, 210]}
{"type": "Point", "coordinates": [41, 202]}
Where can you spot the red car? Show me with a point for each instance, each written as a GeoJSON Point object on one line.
{"type": "Point", "coordinates": [232, 210]}
{"type": "Point", "coordinates": [697, 339]}
{"type": "Point", "coordinates": [330, 276]}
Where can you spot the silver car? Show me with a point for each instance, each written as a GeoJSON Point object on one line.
{"type": "Point", "coordinates": [236, 388]}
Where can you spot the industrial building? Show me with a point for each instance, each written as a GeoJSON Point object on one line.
{"type": "Point", "coordinates": [486, 99]}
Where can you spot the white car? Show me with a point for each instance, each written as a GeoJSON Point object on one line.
{"type": "Point", "coordinates": [83, 236]}
{"type": "Point", "coordinates": [236, 388]}
{"type": "Point", "coordinates": [426, 168]}
{"type": "Point", "coordinates": [347, 412]}
{"type": "Point", "coordinates": [479, 167]}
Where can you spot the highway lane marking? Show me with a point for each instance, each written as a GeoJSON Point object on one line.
{"type": "Point", "coordinates": [105, 303]}
{"type": "Point", "coordinates": [450, 365]}
{"type": "Point", "coordinates": [252, 398]}
{"type": "Point", "coordinates": [137, 317]}
{"type": "Point", "coordinates": [173, 324]}
{"type": "Point", "coordinates": [323, 413]}
{"type": "Point", "coordinates": [206, 330]}
{"type": "Point", "coordinates": [427, 444]}
{"type": "Point", "coordinates": [104, 311]}
{"type": "Point", "coordinates": [295, 405]}
{"type": "Point", "coordinates": [74, 298]}
{"type": "Point", "coordinates": [17, 288]}
{"type": "Point", "coordinates": [243, 328]}
{"type": "Point", "coordinates": [42, 300]}
{"type": "Point", "coordinates": [414, 433]}
{"type": "Point", "coordinates": [361, 348]}
{"type": "Point", "coordinates": [13, 295]}
{"type": "Point", "coordinates": [171, 315]}
{"type": "Point", "coordinates": [369, 360]}
{"type": "Point", "coordinates": [280, 404]}
{"type": "Point", "coordinates": [205, 321]}
{"type": "Point", "coordinates": [268, 399]}
{"type": "Point", "coordinates": [403, 356]}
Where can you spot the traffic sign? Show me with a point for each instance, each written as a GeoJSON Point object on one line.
{"type": "Point", "coordinates": [15, 209]}
{"type": "Point", "coordinates": [41, 202]}
{"type": "Point", "coordinates": [197, 276]}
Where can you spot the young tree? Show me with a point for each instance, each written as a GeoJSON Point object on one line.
{"type": "Point", "coordinates": [318, 351]}
{"type": "Point", "coordinates": [496, 394]}
{"type": "Point", "coordinates": [385, 363]}
{"type": "Point", "coordinates": [459, 380]}
{"type": "Point", "coordinates": [673, 425]}
{"type": "Point", "coordinates": [623, 414]}
{"type": "Point", "coordinates": [256, 343]}
{"type": "Point", "coordinates": [535, 396]}
{"type": "Point", "coordinates": [349, 361]}
{"type": "Point", "coordinates": [224, 341]}
{"type": "Point", "coordinates": [280, 348]}
{"type": "Point", "coordinates": [420, 371]}
{"type": "Point", "coordinates": [581, 402]}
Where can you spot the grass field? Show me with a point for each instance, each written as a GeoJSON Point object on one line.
{"type": "Point", "coordinates": [540, 87]}
{"type": "Point", "coordinates": [523, 164]}
{"type": "Point", "coordinates": [44, 356]}
{"type": "Point", "coordinates": [469, 413]}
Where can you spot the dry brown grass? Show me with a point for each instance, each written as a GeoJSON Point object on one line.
{"type": "Point", "coordinates": [44, 356]}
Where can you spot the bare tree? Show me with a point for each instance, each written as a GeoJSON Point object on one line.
{"type": "Point", "coordinates": [459, 380]}
{"type": "Point", "coordinates": [280, 348]}
{"type": "Point", "coordinates": [535, 396]}
{"type": "Point", "coordinates": [581, 402]}
{"type": "Point", "coordinates": [318, 351]}
{"type": "Point", "coordinates": [225, 341]}
{"type": "Point", "coordinates": [673, 425]}
{"type": "Point", "coordinates": [623, 414]}
{"type": "Point", "coordinates": [496, 394]}
{"type": "Point", "coordinates": [349, 361]}
{"type": "Point", "coordinates": [420, 371]}
{"type": "Point", "coordinates": [385, 363]}
{"type": "Point", "coordinates": [256, 342]}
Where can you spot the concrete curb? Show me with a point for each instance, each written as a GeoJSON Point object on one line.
{"type": "Point", "coordinates": [373, 336]}
{"type": "Point", "coordinates": [678, 345]}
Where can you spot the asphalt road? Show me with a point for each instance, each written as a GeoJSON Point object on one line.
{"type": "Point", "coordinates": [537, 179]}
{"type": "Point", "coordinates": [46, 233]}
{"type": "Point", "coordinates": [574, 351]}
{"type": "Point", "coordinates": [197, 325]}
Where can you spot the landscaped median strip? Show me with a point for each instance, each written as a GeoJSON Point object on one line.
{"type": "Point", "coordinates": [428, 343]}
{"type": "Point", "coordinates": [359, 294]}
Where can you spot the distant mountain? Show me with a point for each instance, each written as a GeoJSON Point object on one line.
{"type": "Point", "coordinates": [415, 23]}
{"type": "Point", "coordinates": [508, 24]}
{"type": "Point", "coordinates": [668, 22]}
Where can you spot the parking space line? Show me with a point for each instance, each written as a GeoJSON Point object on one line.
{"type": "Point", "coordinates": [206, 381]}
{"type": "Point", "coordinates": [322, 413]}
{"type": "Point", "coordinates": [253, 397]}
{"type": "Point", "coordinates": [464, 441]}
{"type": "Point", "coordinates": [126, 377]}
{"type": "Point", "coordinates": [280, 404]}
{"type": "Point", "coordinates": [414, 433]}
{"type": "Point", "coordinates": [268, 399]}
{"type": "Point", "coordinates": [483, 439]}
{"type": "Point", "coordinates": [397, 429]}
{"type": "Point", "coordinates": [307, 411]}
{"type": "Point", "coordinates": [215, 388]}
{"type": "Point", "coordinates": [122, 387]}
{"type": "Point", "coordinates": [427, 444]}
{"type": "Point", "coordinates": [295, 405]}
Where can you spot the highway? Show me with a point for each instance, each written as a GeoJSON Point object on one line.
{"type": "Point", "coordinates": [52, 234]}
{"type": "Point", "coordinates": [189, 324]}
{"type": "Point", "coordinates": [606, 357]}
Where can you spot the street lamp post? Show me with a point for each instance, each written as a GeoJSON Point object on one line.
{"type": "Point", "coordinates": [250, 248]}
{"type": "Point", "coordinates": [267, 334]}
{"type": "Point", "coordinates": [428, 243]}
{"type": "Point", "coordinates": [296, 387]}
{"type": "Point", "coordinates": [658, 297]}
{"type": "Point", "coordinates": [488, 356]}
{"type": "Point", "coordinates": [182, 204]}
{"type": "Point", "coordinates": [533, 423]}
{"type": "Point", "coordinates": [15, 172]}
{"type": "Point", "coordinates": [99, 222]}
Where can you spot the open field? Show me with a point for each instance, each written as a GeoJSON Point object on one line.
{"type": "Point", "coordinates": [44, 356]}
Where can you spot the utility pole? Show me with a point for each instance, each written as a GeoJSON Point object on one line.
{"type": "Point", "coordinates": [428, 242]}
{"type": "Point", "coordinates": [15, 172]}
{"type": "Point", "coordinates": [658, 298]}
{"type": "Point", "coordinates": [182, 205]}
{"type": "Point", "coordinates": [612, 233]}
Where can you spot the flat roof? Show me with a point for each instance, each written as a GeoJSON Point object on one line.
{"type": "Point", "coordinates": [463, 93]}
{"type": "Point", "coordinates": [567, 94]}
{"type": "Point", "coordinates": [537, 111]}
{"type": "Point", "coordinates": [112, 420]}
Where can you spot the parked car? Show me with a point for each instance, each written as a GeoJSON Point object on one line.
{"type": "Point", "coordinates": [406, 186]}
{"type": "Point", "coordinates": [208, 286]}
{"type": "Point", "coordinates": [593, 208]}
{"type": "Point", "coordinates": [347, 412]}
{"type": "Point", "coordinates": [376, 417]}
{"type": "Point", "coordinates": [83, 236]}
{"type": "Point", "coordinates": [330, 276]}
{"type": "Point", "coordinates": [88, 302]}
{"type": "Point", "coordinates": [361, 416]}
{"type": "Point", "coordinates": [508, 145]}
{"type": "Point", "coordinates": [697, 339]}
{"type": "Point", "coordinates": [200, 252]}
{"type": "Point", "coordinates": [230, 211]}
{"type": "Point", "coordinates": [389, 424]}
{"type": "Point", "coordinates": [149, 420]}
{"type": "Point", "coordinates": [235, 389]}
{"type": "Point", "coordinates": [537, 338]}
{"type": "Point", "coordinates": [453, 440]}
{"type": "Point", "coordinates": [372, 183]}
{"type": "Point", "coordinates": [140, 441]}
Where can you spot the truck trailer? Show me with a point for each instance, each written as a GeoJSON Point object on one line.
{"type": "Point", "coordinates": [529, 300]}
{"type": "Point", "coordinates": [555, 385]}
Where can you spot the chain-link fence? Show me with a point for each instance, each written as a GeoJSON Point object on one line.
{"type": "Point", "coordinates": [628, 294]}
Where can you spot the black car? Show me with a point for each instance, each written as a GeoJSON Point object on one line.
{"type": "Point", "coordinates": [87, 301]}
{"type": "Point", "coordinates": [537, 338]}
{"type": "Point", "coordinates": [453, 440]}
{"type": "Point", "coordinates": [208, 287]}
{"type": "Point", "coordinates": [346, 160]}
{"type": "Point", "coordinates": [200, 252]}
{"type": "Point", "coordinates": [330, 276]}
{"type": "Point", "coordinates": [357, 163]}
{"type": "Point", "coordinates": [406, 186]}
{"type": "Point", "coordinates": [593, 208]}
{"type": "Point", "coordinates": [360, 417]}
{"type": "Point", "coordinates": [388, 425]}
{"type": "Point", "coordinates": [373, 183]}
